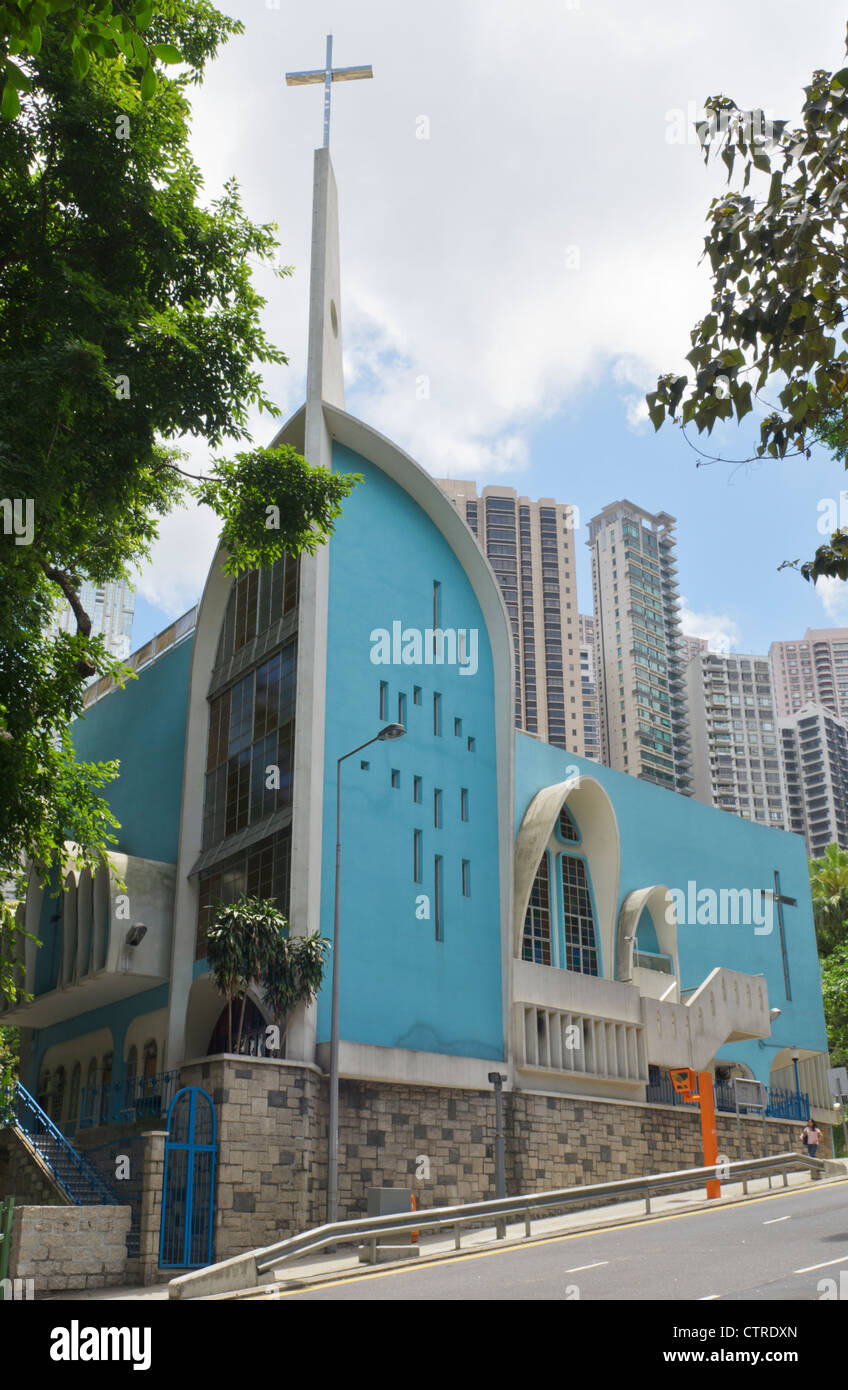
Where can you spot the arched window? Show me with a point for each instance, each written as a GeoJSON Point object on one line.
{"type": "Point", "coordinates": [105, 1084]}
{"type": "Point", "coordinates": [89, 1107]}
{"type": "Point", "coordinates": [74, 1098]}
{"type": "Point", "coordinates": [150, 1055]}
{"type": "Point", "coordinates": [58, 1097]}
{"type": "Point", "coordinates": [536, 945]}
{"type": "Point", "coordinates": [581, 945]}
{"type": "Point", "coordinates": [44, 1090]}
{"type": "Point", "coordinates": [567, 826]}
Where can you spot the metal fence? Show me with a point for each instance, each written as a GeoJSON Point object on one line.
{"type": "Point", "coordinates": [135, 1098]}
{"type": "Point", "coordinates": [782, 1105]}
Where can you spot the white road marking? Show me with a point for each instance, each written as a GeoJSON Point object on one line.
{"type": "Point", "coordinates": [709, 1297]}
{"type": "Point", "coordinates": [596, 1265]}
{"type": "Point", "coordinates": [809, 1268]}
{"type": "Point", "coordinates": [775, 1220]}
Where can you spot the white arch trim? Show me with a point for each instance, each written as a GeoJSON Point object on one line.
{"type": "Point", "coordinates": [599, 842]}
{"type": "Point", "coordinates": [660, 904]}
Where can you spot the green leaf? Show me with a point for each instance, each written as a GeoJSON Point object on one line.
{"type": "Point", "coordinates": [80, 63]}
{"type": "Point", "coordinates": [16, 78]}
{"type": "Point", "coordinates": [166, 53]}
{"type": "Point", "coordinates": [10, 105]}
{"type": "Point", "coordinates": [148, 84]}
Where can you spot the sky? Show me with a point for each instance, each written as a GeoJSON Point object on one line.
{"type": "Point", "coordinates": [522, 207]}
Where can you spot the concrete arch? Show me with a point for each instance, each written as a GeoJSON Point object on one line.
{"type": "Point", "coordinates": [69, 929]}
{"type": "Point", "coordinates": [659, 903]}
{"type": "Point", "coordinates": [600, 843]}
{"type": "Point", "coordinates": [85, 911]}
{"type": "Point", "coordinates": [204, 1009]}
{"type": "Point", "coordinates": [32, 918]}
{"type": "Point", "coordinates": [100, 918]}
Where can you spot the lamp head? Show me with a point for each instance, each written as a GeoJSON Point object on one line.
{"type": "Point", "coordinates": [391, 731]}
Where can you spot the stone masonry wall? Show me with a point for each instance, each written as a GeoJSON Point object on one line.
{"type": "Point", "coordinates": [272, 1118]}
{"type": "Point", "coordinates": [69, 1247]}
{"type": "Point", "coordinates": [271, 1123]}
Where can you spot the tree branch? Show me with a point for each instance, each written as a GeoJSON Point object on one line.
{"type": "Point", "coordinates": [84, 669]}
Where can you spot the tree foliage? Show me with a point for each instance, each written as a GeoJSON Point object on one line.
{"type": "Point", "coordinates": [128, 319]}
{"type": "Point", "coordinates": [294, 973]}
{"type": "Point", "coordinates": [249, 945]}
{"type": "Point", "coordinates": [126, 35]}
{"type": "Point", "coordinates": [779, 286]}
{"type": "Point", "coordinates": [829, 889]}
{"type": "Point", "coordinates": [835, 996]}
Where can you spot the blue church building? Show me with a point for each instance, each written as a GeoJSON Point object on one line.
{"type": "Point", "coordinates": [504, 904]}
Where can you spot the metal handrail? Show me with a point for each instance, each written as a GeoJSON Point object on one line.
{"type": "Point", "coordinates": [19, 1109]}
{"type": "Point", "coordinates": [261, 1262]}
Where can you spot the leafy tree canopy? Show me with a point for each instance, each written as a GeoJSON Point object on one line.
{"type": "Point", "coordinates": [249, 944]}
{"type": "Point", "coordinates": [835, 996]}
{"type": "Point", "coordinates": [128, 35]}
{"type": "Point", "coordinates": [780, 281]}
{"type": "Point", "coordinates": [128, 319]}
{"type": "Point", "coordinates": [829, 889]}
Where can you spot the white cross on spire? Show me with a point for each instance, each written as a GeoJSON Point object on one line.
{"type": "Point", "coordinates": [327, 75]}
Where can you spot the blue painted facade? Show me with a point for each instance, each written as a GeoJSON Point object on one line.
{"type": "Point", "coordinates": [670, 839]}
{"type": "Point", "coordinates": [403, 987]}
{"type": "Point", "coordinates": [143, 726]}
{"type": "Point", "coordinates": [408, 981]}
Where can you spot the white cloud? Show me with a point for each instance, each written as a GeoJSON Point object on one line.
{"type": "Point", "coordinates": [719, 629]}
{"type": "Point", "coordinates": [545, 234]}
{"type": "Point", "coordinates": [834, 596]}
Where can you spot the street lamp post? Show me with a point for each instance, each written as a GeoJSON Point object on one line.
{"type": "Point", "coordinates": [391, 731]}
{"type": "Point", "coordinates": [797, 1084]}
{"type": "Point", "coordinates": [497, 1081]}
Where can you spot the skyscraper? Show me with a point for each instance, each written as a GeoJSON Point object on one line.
{"type": "Point", "coordinates": [692, 646]}
{"type": "Point", "coordinates": [111, 607]}
{"type": "Point", "coordinates": [812, 670]}
{"type": "Point", "coordinates": [815, 759]}
{"type": "Point", "coordinates": [589, 686]}
{"type": "Point", "coordinates": [530, 546]}
{"type": "Point", "coordinates": [641, 689]}
{"type": "Point", "coordinates": [736, 761]}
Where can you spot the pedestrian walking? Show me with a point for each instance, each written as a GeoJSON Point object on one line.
{"type": "Point", "coordinates": [811, 1137]}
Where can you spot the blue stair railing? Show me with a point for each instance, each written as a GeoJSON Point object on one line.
{"type": "Point", "coordinates": [77, 1178]}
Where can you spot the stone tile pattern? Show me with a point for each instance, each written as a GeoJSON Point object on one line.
{"type": "Point", "coordinates": [69, 1247]}
{"type": "Point", "coordinates": [145, 1269]}
{"type": "Point", "coordinates": [272, 1118]}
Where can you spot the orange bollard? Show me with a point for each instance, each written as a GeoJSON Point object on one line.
{"type": "Point", "coordinates": [414, 1236]}
{"type": "Point", "coordinates": [709, 1133]}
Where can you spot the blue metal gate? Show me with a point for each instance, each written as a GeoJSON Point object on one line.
{"type": "Point", "coordinates": [188, 1185]}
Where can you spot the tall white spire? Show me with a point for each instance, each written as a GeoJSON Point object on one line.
{"type": "Point", "coordinates": [324, 377]}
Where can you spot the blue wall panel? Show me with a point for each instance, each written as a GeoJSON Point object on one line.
{"type": "Point", "coordinates": [143, 726]}
{"type": "Point", "coordinates": [671, 839]}
{"type": "Point", "coordinates": [400, 986]}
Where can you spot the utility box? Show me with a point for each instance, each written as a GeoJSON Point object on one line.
{"type": "Point", "coordinates": [387, 1201]}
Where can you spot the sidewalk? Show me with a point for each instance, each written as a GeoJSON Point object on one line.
{"type": "Point", "coordinates": [344, 1262]}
